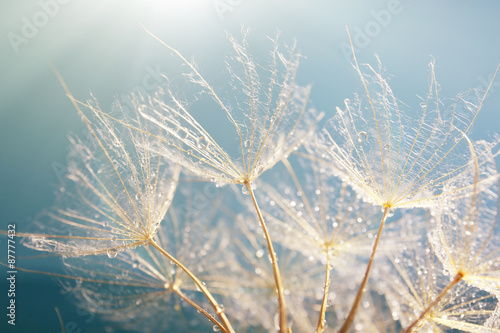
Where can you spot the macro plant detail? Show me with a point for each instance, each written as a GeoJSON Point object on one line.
{"type": "Point", "coordinates": [150, 235]}
{"type": "Point", "coordinates": [115, 195]}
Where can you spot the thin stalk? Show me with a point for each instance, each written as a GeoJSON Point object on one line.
{"type": "Point", "coordinates": [199, 308]}
{"type": "Point", "coordinates": [219, 310]}
{"type": "Point", "coordinates": [274, 262]}
{"type": "Point", "coordinates": [321, 321]}
{"type": "Point", "coordinates": [61, 322]}
{"type": "Point", "coordinates": [357, 301]}
{"type": "Point", "coordinates": [443, 293]}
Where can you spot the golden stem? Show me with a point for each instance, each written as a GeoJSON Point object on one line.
{"type": "Point", "coordinates": [443, 293]}
{"type": "Point", "coordinates": [274, 262]}
{"type": "Point", "coordinates": [219, 310]}
{"type": "Point", "coordinates": [321, 321]}
{"type": "Point", "coordinates": [199, 308]}
{"type": "Point", "coordinates": [61, 322]}
{"type": "Point", "coordinates": [357, 301]}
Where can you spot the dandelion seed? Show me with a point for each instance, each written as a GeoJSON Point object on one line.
{"type": "Point", "coordinates": [142, 287]}
{"type": "Point", "coordinates": [427, 298]}
{"type": "Point", "coordinates": [116, 208]}
{"type": "Point", "coordinates": [465, 238]}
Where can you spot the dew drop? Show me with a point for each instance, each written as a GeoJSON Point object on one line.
{"type": "Point", "coordinates": [362, 136]}
{"type": "Point", "coordinates": [112, 253]}
{"type": "Point", "coordinates": [182, 132]}
{"type": "Point", "coordinates": [259, 253]}
{"type": "Point", "coordinates": [216, 328]}
{"type": "Point", "coordinates": [201, 142]}
{"type": "Point", "coordinates": [244, 190]}
{"type": "Point", "coordinates": [247, 143]}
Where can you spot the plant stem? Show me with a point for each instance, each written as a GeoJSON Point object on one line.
{"type": "Point", "coordinates": [204, 290]}
{"type": "Point", "coordinates": [321, 320]}
{"type": "Point", "coordinates": [443, 292]}
{"type": "Point", "coordinates": [199, 308]}
{"type": "Point", "coordinates": [61, 322]}
{"type": "Point", "coordinates": [359, 296]}
{"type": "Point", "coordinates": [274, 262]}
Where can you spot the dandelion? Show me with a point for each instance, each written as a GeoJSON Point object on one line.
{"type": "Point", "coordinates": [117, 194]}
{"type": "Point", "coordinates": [318, 216]}
{"type": "Point", "coordinates": [464, 236]}
{"type": "Point", "coordinates": [141, 289]}
{"type": "Point", "coordinates": [248, 286]}
{"type": "Point", "coordinates": [423, 298]}
{"type": "Point", "coordinates": [268, 110]}
{"type": "Point", "coordinates": [391, 160]}
{"type": "Point", "coordinates": [114, 197]}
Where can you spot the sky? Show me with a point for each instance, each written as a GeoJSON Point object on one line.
{"type": "Point", "coordinates": [101, 48]}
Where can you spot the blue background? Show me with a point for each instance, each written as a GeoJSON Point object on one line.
{"type": "Point", "coordinates": [99, 47]}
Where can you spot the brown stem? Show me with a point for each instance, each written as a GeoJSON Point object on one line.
{"type": "Point", "coordinates": [219, 310]}
{"type": "Point", "coordinates": [357, 301]}
{"type": "Point", "coordinates": [321, 321]}
{"type": "Point", "coordinates": [274, 262]}
{"type": "Point", "coordinates": [199, 308]}
{"type": "Point", "coordinates": [443, 293]}
{"type": "Point", "coordinates": [61, 322]}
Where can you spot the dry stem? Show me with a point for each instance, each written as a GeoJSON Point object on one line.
{"type": "Point", "coordinates": [274, 262]}
{"type": "Point", "coordinates": [219, 310]}
{"type": "Point", "coordinates": [357, 301]}
{"type": "Point", "coordinates": [443, 292]}
{"type": "Point", "coordinates": [321, 321]}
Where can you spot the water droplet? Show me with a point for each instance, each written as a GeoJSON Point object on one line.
{"type": "Point", "coordinates": [201, 142]}
{"type": "Point", "coordinates": [182, 132]}
{"type": "Point", "coordinates": [112, 253]}
{"type": "Point", "coordinates": [362, 136]}
{"type": "Point", "coordinates": [387, 146]}
{"type": "Point", "coordinates": [390, 213]}
{"type": "Point", "coordinates": [247, 143]}
{"type": "Point", "coordinates": [244, 190]}
{"type": "Point", "coordinates": [216, 328]}
{"type": "Point", "coordinates": [259, 253]}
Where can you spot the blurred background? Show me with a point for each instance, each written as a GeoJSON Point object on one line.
{"type": "Point", "coordinates": [100, 48]}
